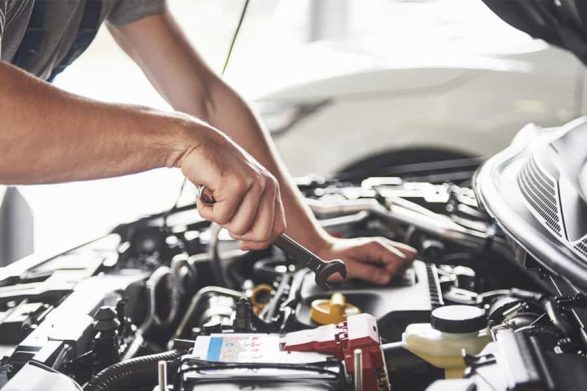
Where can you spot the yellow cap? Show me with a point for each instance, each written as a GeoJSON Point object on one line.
{"type": "Point", "coordinates": [332, 311]}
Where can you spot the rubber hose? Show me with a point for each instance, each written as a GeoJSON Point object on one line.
{"type": "Point", "coordinates": [134, 373]}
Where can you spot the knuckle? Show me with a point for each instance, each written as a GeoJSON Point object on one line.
{"type": "Point", "coordinates": [234, 229]}
{"type": "Point", "coordinates": [222, 220]}
{"type": "Point", "coordinates": [240, 230]}
{"type": "Point", "coordinates": [237, 231]}
{"type": "Point", "coordinates": [376, 243]}
{"type": "Point", "coordinates": [205, 215]}
{"type": "Point", "coordinates": [382, 242]}
{"type": "Point", "coordinates": [203, 210]}
{"type": "Point", "coordinates": [223, 217]}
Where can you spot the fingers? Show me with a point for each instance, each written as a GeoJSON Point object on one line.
{"type": "Point", "coordinates": [262, 226]}
{"type": "Point", "coordinates": [279, 227]}
{"type": "Point", "coordinates": [368, 272]}
{"type": "Point", "coordinates": [243, 219]}
{"type": "Point", "coordinates": [226, 198]}
{"type": "Point", "coordinates": [256, 217]}
{"type": "Point", "coordinates": [269, 221]}
{"type": "Point", "coordinates": [377, 260]}
{"type": "Point", "coordinates": [408, 251]}
{"type": "Point", "coordinates": [394, 256]}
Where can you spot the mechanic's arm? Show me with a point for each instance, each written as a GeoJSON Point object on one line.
{"type": "Point", "coordinates": [48, 135]}
{"type": "Point", "coordinates": [187, 83]}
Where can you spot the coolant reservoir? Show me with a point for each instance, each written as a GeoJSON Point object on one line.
{"type": "Point", "coordinates": [451, 329]}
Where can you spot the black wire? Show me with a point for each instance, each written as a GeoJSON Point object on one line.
{"type": "Point", "coordinates": [234, 37]}
{"type": "Point", "coordinates": [224, 68]}
{"type": "Point", "coordinates": [175, 204]}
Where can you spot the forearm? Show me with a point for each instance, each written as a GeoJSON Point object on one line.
{"type": "Point", "coordinates": [48, 135]}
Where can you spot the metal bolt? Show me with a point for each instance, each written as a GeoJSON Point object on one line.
{"type": "Point", "coordinates": [358, 355]}
{"type": "Point", "coordinates": [162, 375]}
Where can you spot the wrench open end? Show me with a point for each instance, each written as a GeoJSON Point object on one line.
{"type": "Point", "coordinates": [329, 269]}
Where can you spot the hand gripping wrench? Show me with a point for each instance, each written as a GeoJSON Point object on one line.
{"type": "Point", "coordinates": [322, 269]}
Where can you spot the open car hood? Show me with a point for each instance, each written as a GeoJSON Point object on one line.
{"type": "Point", "coordinates": [562, 22]}
{"type": "Point", "coordinates": [533, 190]}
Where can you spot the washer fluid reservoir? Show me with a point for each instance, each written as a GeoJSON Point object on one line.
{"type": "Point", "coordinates": [451, 329]}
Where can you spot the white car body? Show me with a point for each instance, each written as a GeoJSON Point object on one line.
{"type": "Point", "coordinates": [463, 82]}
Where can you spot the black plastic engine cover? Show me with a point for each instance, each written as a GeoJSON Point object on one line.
{"type": "Point", "coordinates": [407, 299]}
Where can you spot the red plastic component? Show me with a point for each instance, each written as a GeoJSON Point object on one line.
{"type": "Point", "coordinates": [341, 340]}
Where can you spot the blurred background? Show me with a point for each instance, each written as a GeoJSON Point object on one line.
{"type": "Point", "coordinates": [341, 84]}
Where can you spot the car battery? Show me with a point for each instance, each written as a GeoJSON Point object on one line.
{"type": "Point", "coordinates": [233, 361]}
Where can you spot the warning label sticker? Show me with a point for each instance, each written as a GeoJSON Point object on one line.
{"type": "Point", "coordinates": [243, 348]}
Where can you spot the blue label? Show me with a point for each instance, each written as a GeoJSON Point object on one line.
{"type": "Point", "coordinates": [214, 348]}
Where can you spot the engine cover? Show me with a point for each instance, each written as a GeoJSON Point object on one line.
{"type": "Point", "coordinates": [407, 299]}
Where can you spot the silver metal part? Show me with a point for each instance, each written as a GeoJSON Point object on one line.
{"type": "Point", "coordinates": [358, 367]}
{"type": "Point", "coordinates": [16, 219]}
{"type": "Point", "coordinates": [204, 292]}
{"type": "Point", "coordinates": [162, 375]}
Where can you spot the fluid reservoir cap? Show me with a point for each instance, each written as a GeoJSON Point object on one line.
{"type": "Point", "coordinates": [332, 311]}
{"type": "Point", "coordinates": [458, 319]}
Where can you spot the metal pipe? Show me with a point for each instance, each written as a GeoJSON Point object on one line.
{"type": "Point", "coordinates": [196, 300]}
{"type": "Point", "coordinates": [343, 221]}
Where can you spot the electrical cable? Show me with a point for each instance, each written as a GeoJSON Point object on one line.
{"type": "Point", "coordinates": [138, 372]}
{"type": "Point", "coordinates": [224, 68]}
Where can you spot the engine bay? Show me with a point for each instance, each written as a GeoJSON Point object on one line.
{"type": "Point", "coordinates": [170, 302]}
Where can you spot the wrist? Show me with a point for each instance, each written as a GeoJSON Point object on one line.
{"type": "Point", "coordinates": [186, 136]}
{"type": "Point", "coordinates": [327, 245]}
{"type": "Point", "coordinates": [320, 242]}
